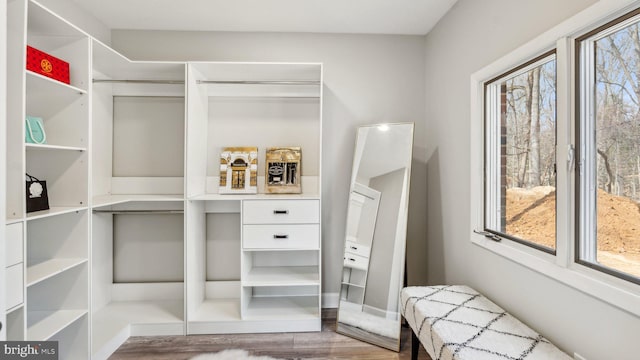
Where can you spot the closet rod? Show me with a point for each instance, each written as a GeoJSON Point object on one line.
{"type": "Point", "coordinates": [138, 212]}
{"type": "Point", "coordinates": [165, 82]}
{"type": "Point", "coordinates": [262, 82]}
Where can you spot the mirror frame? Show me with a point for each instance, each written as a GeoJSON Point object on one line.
{"type": "Point", "coordinates": [351, 331]}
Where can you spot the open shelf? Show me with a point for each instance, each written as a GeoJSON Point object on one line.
{"type": "Point", "coordinates": [53, 211]}
{"type": "Point", "coordinates": [44, 147]}
{"type": "Point", "coordinates": [41, 325]}
{"type": "Point", "coordinates": [46, 84]}
{"type": "Point", "coordinates": [283, 308]}
{"type": "Point", "coordinates": [282, 276]}
{"type": "Point", "coordinates": [303, 196]}
{"type": "Point", "coordinates": [48, 268]}
{"type": "Point", "coordinates": [106, 200]}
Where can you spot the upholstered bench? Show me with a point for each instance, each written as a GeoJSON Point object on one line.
{"type": "Point", "coordinates": [456, 322]}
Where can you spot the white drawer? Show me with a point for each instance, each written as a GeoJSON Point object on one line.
{"type": "Point", "coordinates": [354, 261]}
{"type": "Point", "coordinates": [14, 279]}
{"type": "Point", "coordinates": [281, 211]}
{"type": "Point", "coordinates": [281, 236]}
{"type": "Point", "coordinates": [355, 248]}
{"type": "Point", "coordinates": [14, 244]}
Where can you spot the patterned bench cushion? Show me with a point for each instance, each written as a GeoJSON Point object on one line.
{"type": "Point", "coordinates": [456, 322]}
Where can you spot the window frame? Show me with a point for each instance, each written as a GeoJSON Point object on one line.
{"type": "Point", "coordinates": [562, 268]}
{"type": "Point", "coordinates": [490, 112]}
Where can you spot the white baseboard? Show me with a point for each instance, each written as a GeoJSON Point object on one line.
{"type": "Point", "coordinates": [330, 300]}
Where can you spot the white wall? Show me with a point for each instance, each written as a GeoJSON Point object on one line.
{"type": "Point", "coordinates": [368, 79]}
{"type": "Point", "coordinates": [471, 36]}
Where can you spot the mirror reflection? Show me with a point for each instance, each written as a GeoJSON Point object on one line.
{"type": "Point", "coordinates": [374, 252]}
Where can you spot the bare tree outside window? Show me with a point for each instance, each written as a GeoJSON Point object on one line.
{"type": "Point", "coordinates": [617, 142]}
{"type": "Point", "coordinates": [527, 155]}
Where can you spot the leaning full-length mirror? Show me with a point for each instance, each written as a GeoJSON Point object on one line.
{"type": "Point", "coordinates": [374, 251]}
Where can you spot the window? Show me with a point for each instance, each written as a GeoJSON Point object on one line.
{"type": "Point", "coordinates": [609, 147]}
{"type": "Point", "coordinates": [587, 222]}
{"type": "Point", "coordinates": [520, 155]}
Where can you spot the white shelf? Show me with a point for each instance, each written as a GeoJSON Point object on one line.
{"type": "Point", "coordinates": [49, 268]}
{"type": "Point", "coordinates": [44, 83]}
{"type": "Point", "coordinates": [283, 308]}
{"type": "Point", "coordinates": [17, 307]}
{"type": "Point", "coordinates": [140, 312]}
{"type": "Point", "coordinates": [282, 276]}
{"type": "Point", "coordinates": [53, 211]}
{"type": "Point", "coordinates": [44, 324]}
{"type": "Point", "coordinates": [44, 147]}
{"type": "Point", "coordinates": [10, 221]}
{"type": "Point", "coordinates": [106, 200]}
{"type": "Point", "coordinates": [211, 310]}
{"type": "Point", "coordinates": [217, 197]}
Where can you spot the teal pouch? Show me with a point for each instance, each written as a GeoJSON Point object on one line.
{"type": "Point", "coordinates": [34, 131]}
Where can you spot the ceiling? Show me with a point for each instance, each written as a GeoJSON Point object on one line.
{"type": "Point", "coordinates": [410, 17]}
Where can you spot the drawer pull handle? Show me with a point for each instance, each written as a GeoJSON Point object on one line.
{"type": "Point", "coordinates": [280, 236]}
{"type": "Point", "coordinates": [354, 247]}
{"type": "Point", "coordinates": [352, 259]}
{"type": "Point", "coordinates": [280, 212]}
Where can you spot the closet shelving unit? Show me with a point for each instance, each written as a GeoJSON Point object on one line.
{"type": "Point", "coordinates": [51, 247]}
{"type": "Point", "coordinates": [138, 122]}
{"type": "Point", "coordinates": [138, 241]}
{"type": "Point", "coordinates": [268, 285]}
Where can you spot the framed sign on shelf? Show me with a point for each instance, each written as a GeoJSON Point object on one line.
{"type": "Point", "coordinates": [283, 169]}
{"type": "Point", "coordinates": [239, 170]}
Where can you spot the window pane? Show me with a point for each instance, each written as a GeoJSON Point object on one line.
{"type": "Point", "coordinates": [617, 150]}
{"type": "Point", "coordinates": [525, 169]}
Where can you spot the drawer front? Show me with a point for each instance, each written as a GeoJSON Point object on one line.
{"type": "Point", "coordinates": [281, 236]}
{"type": "Point", "coordinates": [281, 211]}
{"type": "Point", "coordinates": [14, 285]}
{"type": "Point", "coordinates": [355, 248]}
{"type": "Point", "coordinates": [355, 261]}
{"type": "Point", "coordinates": [14, 244]}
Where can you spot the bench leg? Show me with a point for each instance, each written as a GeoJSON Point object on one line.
{"type": "Point", "coordinates": [415, 346]}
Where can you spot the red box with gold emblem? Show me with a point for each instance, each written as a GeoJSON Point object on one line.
{"type": "Point", "coordinates": [44, 64]}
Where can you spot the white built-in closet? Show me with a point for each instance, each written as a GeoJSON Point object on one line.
{"type": "Point", "coordinates": [138, 241]}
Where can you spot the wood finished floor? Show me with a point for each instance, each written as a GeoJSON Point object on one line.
{"type": "Point", "coordinates": [326, 344]}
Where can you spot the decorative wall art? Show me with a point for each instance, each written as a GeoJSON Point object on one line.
{"type": "Point", "coordinates": [283, 170]}
{"type": "Point", "coordinates": [239, 170]}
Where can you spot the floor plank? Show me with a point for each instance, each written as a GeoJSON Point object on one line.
{"type": "Point", "coordinates": [326, 344]}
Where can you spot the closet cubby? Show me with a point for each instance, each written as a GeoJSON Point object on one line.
{"type": "Point", "coordinates": [55, 304]}
{"type": "Point", "coordinates": [138, 132]}
{"type": "Point", "coordinates": [55, 245]}
{"type": "Point", "coordinates": [251, 104]}
{"type": "Point", "coordinates": [137, 272]}
{"type": "Point", "coordinates": [213, 267]}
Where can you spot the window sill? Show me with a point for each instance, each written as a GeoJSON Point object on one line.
{"type": "Point", "coordinates": [609, 289]}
